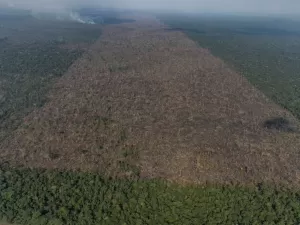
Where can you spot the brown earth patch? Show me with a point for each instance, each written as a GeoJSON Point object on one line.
{"type": "Point", "coordinates": [147, 102]}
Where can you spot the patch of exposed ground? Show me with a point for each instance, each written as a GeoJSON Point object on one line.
{"type": "Point", "coordinates": [150, 102]}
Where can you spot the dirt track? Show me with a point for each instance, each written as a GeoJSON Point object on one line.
{"type": "Point", "coordinates": [144, 97]}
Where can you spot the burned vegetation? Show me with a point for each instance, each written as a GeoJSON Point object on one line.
{"type": "Point", "coordinates": [280, 124]}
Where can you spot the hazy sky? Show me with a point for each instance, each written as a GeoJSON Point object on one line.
{"type": "Point", "coordinates": [250, 6]}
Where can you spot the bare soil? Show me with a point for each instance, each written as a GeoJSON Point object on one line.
{"type": "Point", "coordinates": [149, 102]}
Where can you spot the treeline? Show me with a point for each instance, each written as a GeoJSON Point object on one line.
{"type": "Point", "coordinates": [41, 59]}
{"type": "Point", "coordinates": [26, 74]}
{"type": "Point", "coordinates": [32, 54]}
{"type": "Point", "coordinates": [265, 51]}
{"type": "Point", "coordinates": [34, 196]}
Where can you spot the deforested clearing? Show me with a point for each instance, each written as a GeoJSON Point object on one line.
{"type": "Point", "coordinates": [146, 102]}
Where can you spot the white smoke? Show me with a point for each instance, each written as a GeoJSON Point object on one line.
{"type": "Point", "coordinates": [63, 16]}
{"type": "Point", "coordinates": [242, 6]}
{"type": "Point", "coordinates": [55, 10]}
{"type": "Point", "coordinates": [74, 16]}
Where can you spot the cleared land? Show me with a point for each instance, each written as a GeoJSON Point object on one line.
{"type": "Point", "coordinates": [146, 102]}
{"type": "Point", "coordinates": [33, 55]}
{"type": "Point", "coordinates": [142, 103]}
{"type": "Point", "coordinates": [263, 49]}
